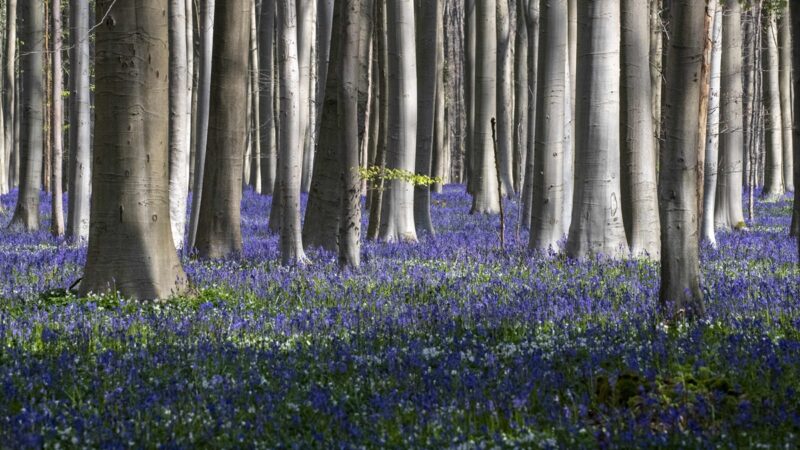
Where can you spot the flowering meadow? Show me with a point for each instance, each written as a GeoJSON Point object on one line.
{"type": "Point", "coordinates": [447, 343]}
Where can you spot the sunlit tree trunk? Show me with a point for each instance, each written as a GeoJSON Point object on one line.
{"type": "Point", "coordinates": [773, 177]}
{"type": "Point", "coordinates": [713, 128]}
{"type": "Point", "coordinates": [397, 212]}
{"type": "Point", "coordinates": [26, 213]}
{"type": "Point", "coordinates": [680, 294]}
{"type": "Point", "coordinates": [520, 97]}
{"type": "Point", "coordinates": [179, 107]}
{"type": "Point", "coordinates": [470, 11]}
{"type": "Point", "coordinates": [795, 226]}
{"type": "Point", "coordinates": [57, 127]}
{"type": "Point", "coordinates": [785, 80]}
{"type": "Point", "coordinates": [532, 25]}
{"type": "Point", "coordinates": [254, 124]}
{"type": "Point", "coordinates": [728, 205]}
{"type": "Point", "coordinates": [597, 224]}
{"type": "Point", "coordinates": [505, 98]}
{"type": "Point", "coordinates": [548, 188]}
{"type": "Point", "coordinates": [266, 78]}
{"type": "Point", "coordinates": [306, 39]}
{"type": "Point", "coordinates": [130, 241]}
{"type": "Point", "coordinates": [10, 56]}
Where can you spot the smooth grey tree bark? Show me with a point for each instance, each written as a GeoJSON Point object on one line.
{"type": "Point", "coordinates": [253, 125]}
{"type": "Point", "coordinates": [656, 65]}
{"type": "Point", "coordinates": [306, 39]}
{"type": "Point", "coordinates": [57, 126]}
{"type": "Point", "coordinates": [520, 97]}
{"type": "Point", "coordinates": [785, 81]}
{"type": "Point", "coordinates": [532, 25]}
{"type": "Point", "coordinates": [639, 182]}
{"type": "Point", "coordinates": [266, 60]}
{"type": "Point", "coordinates": [219, 232]}
{"type": "Point", "coordinates": [201, 120]}
{"type": "Point", "coordinates": [505, 98]}
{"type": "Point", "coordinates": [9, 81]}
{"type": "Point", "coordinates": [713, 128]}
{"type": "Point", "coordinates": [290, 160]}
{"type": "Point", "coordinates": [548, 187]}
{"type": "Point", "coordinates": [773, 177]}
{"type": "Point", "coordinates": [130, 241]}
{"type": "Point", "coordinates": [597, 223]}
{"type": "Point", "coordinates": [350, 220]}
{"type": "Point", "coordinates": [470, 11]}
{"type": "Point", "coordinates": [728, 205]}
{"type": "Point", "coordinates": [570, 138]}
{"type": "Point", "coordinates": [795, 226]}
{"type": "Point", "coordinates": [429, 14]}
{"type": "Point", "coordinates": [179, 116]}
{"type": "Point", "coordinates": [26, 213]}
{"type": "Point", "coordinates": [382, 69]}
{"type": "Point", "coordinates": [680, 295]}
{"type": "Point", "coordinates": [397, 211]}
{"type": "Point", "coordinates": [485, 196]}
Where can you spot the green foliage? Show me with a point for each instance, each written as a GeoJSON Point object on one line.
{"type": "Point", "coordinates": [377, 173]}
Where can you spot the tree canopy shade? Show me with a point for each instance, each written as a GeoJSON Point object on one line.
{"type": "Point", "coordinates": [130, 240]}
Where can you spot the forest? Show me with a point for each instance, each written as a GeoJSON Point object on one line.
{"type": "Point", "coordinates": [464, 224]}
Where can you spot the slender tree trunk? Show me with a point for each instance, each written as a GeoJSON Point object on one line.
{"type": "Point", "coordinates": [203, 105]}
{"type": "Point", "coordinates": [290, 161]}
{"type": "Point", "coordinates": [376, 204]}
{"type": "Point", "coordinates": [773, 178]}
{"type": "Point", "coordinates": [350, 220]}
{"type": "Point", "coordinates": [57, 127]}
{"type": "Point", "coordinates": [397, 212]}
{"type": "Point", "coordinates": [639, 182]}
{"type": "Point", "coordinates": [470, 31]}
{"type": "Point", "coordinates": [712, 133]}
{"type": "Point", "coordinates": [728, 205]}
{"type": "Point", "coordinates": [178, 121]}
{"type": "Point", "coordinates": [795, 227]}
{"type": "Point", "coordinates": [520, 97]}
{"type": "Point", "coordinates": [505, 98]}
{"type": "Point", "coordinates": [548, 188]}
{"type": "Point", "coordinates": [9, 87]}
{"type": "Point", "coordinates": [680, 294]}
{"type": "Point", "coordinates": [429, 15]}
{"type": "Point", "coordinates": [26, 213]}
{"type": "Point", "coordinates": [306, 38]}
{"type": "Point", "coordinates": [570, 140]}
{"type": "Point", "coordinates": [266, 60]}
{"type": "Point", "coordinates": [485, 198]}
{"type": "Point", "coordinates": [656, 63]}
{"type": "Point", "coordinates": [785, 80]}
{"type": "Point", "coordinates": [254, 125]}
{"type": "Point", "coordinates": [532, 21]}
{"type": "Point", "coordinates": [218, 232]}
{"type": "Point", "coordinates": [130, 242]}
{"type": "Point", "coordinates": [597, 223]}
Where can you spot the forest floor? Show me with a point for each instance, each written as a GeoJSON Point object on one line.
{"type": "Point", "coordinates": [445, 343]}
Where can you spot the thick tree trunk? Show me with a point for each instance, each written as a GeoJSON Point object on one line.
{"type": "Point", "coordinates": [397, 212]}
{"type": "Point", "coordinates": [429, 15]}
{"type": "Point", "coordinates": [203, 102]}
{"type": "Point", "coordinates": [548, 188]}
{"type": "Point", "coordinates": [505, 98]}
{"type": "Point", "coordinates": [680, 294]}
{"type": "Point", "coordinates": [290, 160]}
{"type": "Point", "coordinates": [728, 212]}
{"type": "Point", "coordinates": [350, 220]}
{"type": "Point", "coordinates": [712, 131]}
{"type": "Point", "coordinates": [520, 97]}
{"type": "Point", "coordinates": [306, 39]}
{"type": "Point", "coordinates": [656, 65]}
{"type": "Point", "coordinates": [376, 203]}
{"type": "Point", "coordinates": [485, 198]}
{"type": "Point", "coordinates": [639, 182]}
{"type": "Point", "coordinates": [26, 213]}
{"type": "Point", "coordinates": [795, 227]}
{"type": "Point", "coordinates": [773, 177]}
{"type": "Point", "coordinates": [10, 56]}
{"type": "Point", "coordinates": [785, 80]}
{"type": "Point", "coordinates": [57, 127]}
{"type": "Point", "coordinates": [532, 22]}
{"type": "Point", "coordinates": [597, 224]}
{"type": "Point", "coordinates": [570, 112]}
{"type": "Point", "coordinates": [179, 107]}
{"type": "Point", "coordinates": [130, 241]}
{"type": "Point", "coordinates": [218, 232]}
{"type": "Point", "coordinates": [266, 60]}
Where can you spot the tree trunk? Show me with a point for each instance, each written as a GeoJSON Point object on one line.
{"type": "Point", "coordinates": [785, 80]}
{"type": "Point", "coordinates": [532, 22]}
{"type": "Point", "coordinates": [376, 203]}
{"type": "Point", "coordinates": [26, 213]}
{"type": "Point", "coordinates": [397, 212]}
{"type": "Point", "coordinates": [728, 212]}
{"type": "Point", "coordinates": [218, 232]}
{"type": "Point", "coordinates": [639, 184]}
{"type": "Point", "coordinates": [597, 223]}
{"type": "Point", "coordinates": [548, 188]}
{"type": "Point", "coordinates": [130, 241]}
{"type": "Point", "coordinates": [773, 177]}
{"type": "Point", "coordinates": [290, 160]}
{"type": "Point", "coordinates": [712, 131]}
{"type": "Point", "coordinates": [505, 98]}
{"type": "Point", "coordinates": [57, 127]}
{"type": "Point", "coordinates": [656, 60]}
{"type": "Point", "coordinates": [680, 294]}
{"type": "Point", "coordinates": [470, 72]}
{"type": "Point", "coordinates": [570, 113]}
{"type": "Point", "coordinates": [429, 14]}
{"type": "Point", "coordinates": [350, 220]}
{"type": "Point", "coordinates": [485, 198]}
{"type": "Point", "coordinates": [306, 38]}
{"type": "Point", "coordinates": [178, 124]}
{"type": "Point", "coordinates": [795, 226]}
{"type": "Point", "coordinates": [203, 102]}
{"type": "Point", "coordinates": [254, 125]}
{"type": "Point", "coordinates": [266, 60]}
{"type": "Point", "coordinates": [520, 97]}
{"type": "Point", "coordinates": [10, 54]}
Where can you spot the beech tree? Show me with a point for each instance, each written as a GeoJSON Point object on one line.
{"type": "Point", "coordinates": [773, 176]}
{"type": "Point", "coordinates": [266, 60]}
{"type": "Point", "coordinates": [785, 87]}
{"type": "Point", "coordinates": [10, 56]}
{"type": "Point", "coordinates": [56, 127]}
{"type": "Point", "coordinates": [130, 240]}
